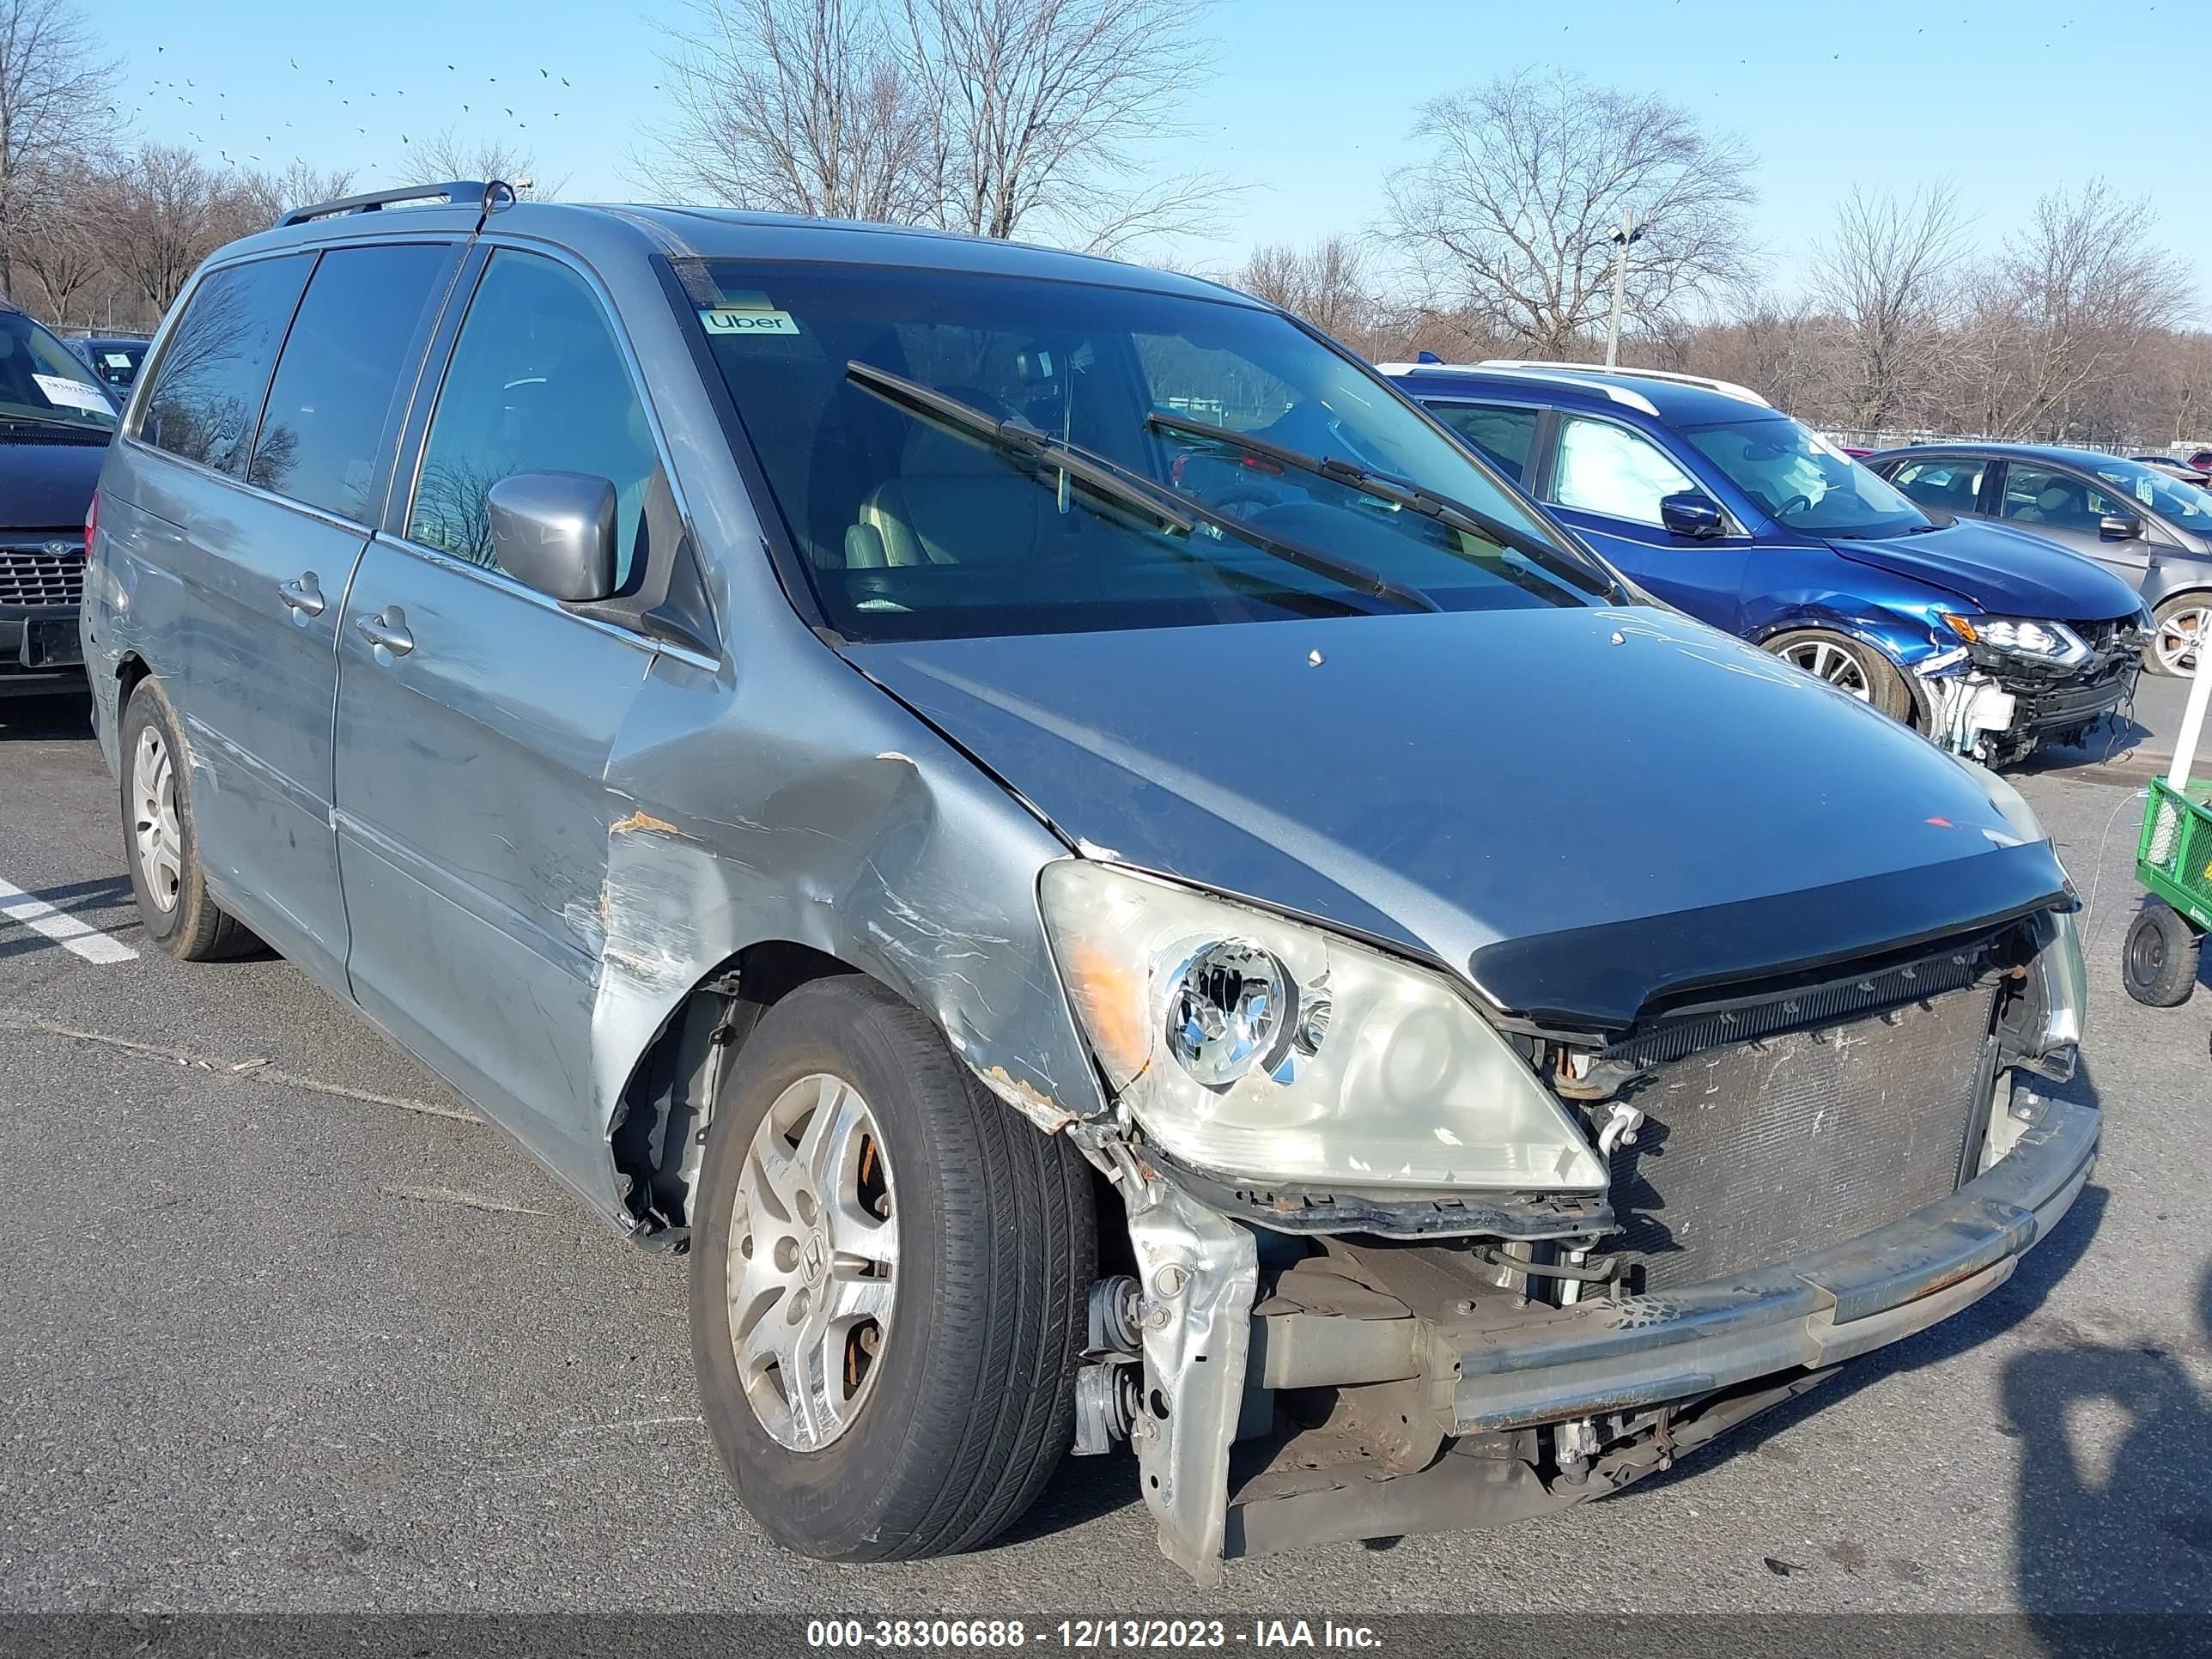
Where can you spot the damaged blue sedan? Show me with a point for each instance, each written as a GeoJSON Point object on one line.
{"type": "Point", "coordinates": [1106, 880]}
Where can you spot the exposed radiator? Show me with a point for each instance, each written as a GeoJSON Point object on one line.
{"type": "Point", "coordinates": [1755, 1152]}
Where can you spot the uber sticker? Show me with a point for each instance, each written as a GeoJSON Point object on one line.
{"type": "Point", "coordinates": [66, 394]}
{"type": "Point", "coordinates": [746, 319]}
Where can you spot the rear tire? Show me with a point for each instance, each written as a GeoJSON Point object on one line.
{"type": "Point", "coordinates": [941, 1429]}
{"type": "Point", "coordinates": [2157, 963]}
{"type": "Point", "coordinates": [1851, 667]}
{"type": "Point", "coordinates": [159, 844]}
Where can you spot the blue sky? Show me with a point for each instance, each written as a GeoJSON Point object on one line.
{"type": "Point", "coordinates": [1312, 102]}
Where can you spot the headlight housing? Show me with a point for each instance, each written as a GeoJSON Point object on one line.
{"type": "Point", "coordinates": [2022, 636]}
{"type": "Point", "coordinates": [2062, 979]}
{"type": "Point", "coordinates": [1254, 1047]}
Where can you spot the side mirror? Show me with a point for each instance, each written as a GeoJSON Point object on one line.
{"type": "Point", "coordinates": [1691, 513]}
{"type": "Point", "coordinates": [555, 532]}
{"type": "Point", "coordinates": [2119, 526]}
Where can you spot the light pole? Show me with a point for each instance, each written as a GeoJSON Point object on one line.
{"type": "Point", "coordinates": [1621, 235]}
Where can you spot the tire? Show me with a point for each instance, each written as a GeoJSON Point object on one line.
{"type": "Point", "coordinates": [965, 1405]}
{"type": "Point", "coordinates": [2168, 653]}
{"type": "Point", "coordinates": [1858, 670]}
{"type": "Point", "coordinates": [2157, 963]}
{"type": "Point", "coordinates": [159, 844]}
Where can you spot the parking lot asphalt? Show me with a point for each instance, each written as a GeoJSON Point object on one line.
{"type": "Point", "coordinates": [285, 1329]}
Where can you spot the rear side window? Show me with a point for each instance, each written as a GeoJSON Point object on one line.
{"type": "Point", "coordinates": [207, 400]}
{"type": "Point", "coordinates": [1608, 469]}
{"type": "Point", "coordinates": [538, 384]}
{"type": "Point", "coordinates": [356, 334]}
{"type": "Point", "coordinates": [2055, 499]}
{"type": "Point", "coordinates": [1953, 485]}
{"type": "Point", "coordinates": [1500, 435]}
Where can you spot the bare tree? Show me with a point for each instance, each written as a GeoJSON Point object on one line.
{"type": "Point", "coordinates": [2069, 303]}
{"type": "Point", "coordinates": [448, 154]}
{"type": "Point", "coordinates": [170, 211]}
{"type": "Point", "coordinates": [55, 242]}
{"type": "Point", "coordinates": [1887, 275]}
{"type": "Point", "coordinates": [275, 194]}
{"type": "Point", "coordinates": [796, 107]}
{"type": "Point", "coordinates": [1325, 284]}
{"type": "Point", "coordinates": [1036, 107]}
{"type": "Point", "coordinates": [1525, 179]}
{"type": "Point", "coordinates": [56, 102]}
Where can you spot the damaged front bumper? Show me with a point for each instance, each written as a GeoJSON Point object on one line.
{"type": "Point", "coordinates": [1372, 1391]}
{"type": "Point", "coordinates": [1994, 709]}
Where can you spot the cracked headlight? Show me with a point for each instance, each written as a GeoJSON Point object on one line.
{"type": "Point", "coordinates": [1263, 1050]}
{"type": "Point", "coordinates": [2022, 636]}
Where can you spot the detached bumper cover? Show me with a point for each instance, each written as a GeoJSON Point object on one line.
{"type": "Point", "coordinates": [1812, 1311]}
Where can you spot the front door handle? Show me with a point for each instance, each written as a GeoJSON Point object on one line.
{"type": "Point", "coordinates": [302, 594]}
{"type": "Point", "coordinates": [388, 630]}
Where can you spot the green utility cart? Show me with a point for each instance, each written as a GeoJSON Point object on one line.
{"type": "Point", "coordinates": [2173, 859]}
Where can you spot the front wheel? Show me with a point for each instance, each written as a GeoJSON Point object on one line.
{"type": "Point", "coordinates": [2180, 629]}
{"type": "Point", "coordinates": [888, 1276]}
{"type": "Point", "coordinates": [1849, 666]}
{"type": "Point", "coordinates": [2158, 964]}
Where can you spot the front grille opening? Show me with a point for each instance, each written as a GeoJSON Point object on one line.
{"type": "Point", "coordinates": [1757, 1151]}
{"type": "Point", "coordinates": [34, 576]}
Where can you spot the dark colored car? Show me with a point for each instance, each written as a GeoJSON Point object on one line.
{"type": "Point", "coordinates": [2146, 527]}
{"type": "Point", "coordinates": [2179, 469]}
{"type": "Point", "coordinates": [886, 760]}
{"type": "Point", "coordinates": [1987, 640]}
{"type": "Point", "coordinates": [116, 358]}
{"type": "Point", "coordinates": [55, 424]}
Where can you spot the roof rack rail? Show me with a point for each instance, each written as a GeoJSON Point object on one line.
{"type": "Point", "coordinates": [460, 192]}
{"type": "Point", "coordinates": [1742, 394]}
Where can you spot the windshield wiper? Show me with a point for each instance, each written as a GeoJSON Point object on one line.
{"type": "Point", "coordinates": [1454, 514]}
{"type": "Point", "coordinates": [1117, 484]}
{"type": "Point", "coordinates": [32, 418]}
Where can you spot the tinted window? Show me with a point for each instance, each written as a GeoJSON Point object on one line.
{"type": "Point", "coordinates": [913, 526]}
{"type": "Point", "coordinates": [1608, 469]}
{"type": "Point", "coordinates": [208, 397]}
{"type": "Point", "coordinates": [2184, 503]}
{"type": "Point", "coordinates": [353, 339]}
{"type": "Point", "coordinates": [2056, 501]}
{"type": "Point", "coordinates": [1501, 435]}
{"type": "Point", "coordinates": [1953, 485]}
{"type": "Point", "coordinates": [538, 384]}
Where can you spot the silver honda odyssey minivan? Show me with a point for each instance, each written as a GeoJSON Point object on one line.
{"type": "Point", "coordinates": [1106, 881]}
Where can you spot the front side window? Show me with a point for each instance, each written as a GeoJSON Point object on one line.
{"type": "Point", "coordinates": [42, 385]}
{"type": "Point", "coordinates": [1800, 479]}
{"type": "Point", "coordinates": [910, 524]}
{"type": "Point", "coordinates": [215, 370]}
{"type": "Point", "coordinates": [323, 431]}
{"type": "Point", "coordinates": [1950, 486]}
{"type": "Point", "coordinates": [536, 384]}
{"type": "Point", "coordinates": [2056, 501]}
{"type": "Point", "coordinates": [2150, 490]}
{"type": "Point", "coordinates": [1500, 433]}
{"type": "Point", "coordinates": [1604, 468]}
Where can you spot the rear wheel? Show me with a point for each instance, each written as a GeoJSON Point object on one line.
{"type": "Point", "coordinates": [1849, 666]}
{"type": "Point", "coordinates": [159, 844]}
{"type": "Point", "coordinates": [2158, 964]}
{"type": "Point", "coordinates": [887, 1285]}
{"type": "Point", "coordinates": [2180, 629]}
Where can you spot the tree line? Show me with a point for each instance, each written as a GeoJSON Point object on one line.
{"type": "Point", "coordinates": [1042, 119]}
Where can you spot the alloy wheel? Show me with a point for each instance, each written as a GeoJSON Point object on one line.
{"type": "Point", "coordinates": [1832, 663]}
{"type": "Point", "coordinates": [813, 1255]}
{"type": "Point", "coordinates": [153, 818]}
{"type": "Point", "coordinates": [2179, 638]}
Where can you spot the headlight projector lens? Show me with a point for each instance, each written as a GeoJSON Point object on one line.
{"type": "Point", "coordinates": [1230, 1011]}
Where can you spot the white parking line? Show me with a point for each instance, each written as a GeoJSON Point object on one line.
{"type": "Point", "coordinates": [66, 931]}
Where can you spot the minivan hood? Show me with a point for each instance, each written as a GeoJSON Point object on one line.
{"type": "Point", "coordinates": [1451, 781]}
{"type": "Point", "coordinates": [47, 486]}
{"type": "Point", "coordinates": [2002, 571]}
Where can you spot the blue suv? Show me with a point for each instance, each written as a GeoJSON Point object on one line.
{"type": "Point", "coordinates": [1988, 640]}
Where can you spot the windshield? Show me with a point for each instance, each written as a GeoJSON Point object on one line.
{"type": "Point", "coordinates": [2154, 491]}
{"type": "Point", "coordinates": [43, 384]}
{"type": "Point", "coordinates": [1801, 479]}
{"type": "Point", "coordinates": [911, 524]}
